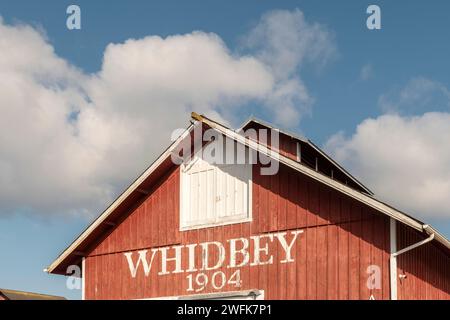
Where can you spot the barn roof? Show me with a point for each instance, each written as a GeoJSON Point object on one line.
{"type": "Point", "coordinates": [314, 150]}
{"type": "Point", "coordinates": [23, 295]}
{"type": "Point", "coordinates": [139, 189]}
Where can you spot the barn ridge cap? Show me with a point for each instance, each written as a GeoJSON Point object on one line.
{"type": "Point", "coordinates": [64, 258]}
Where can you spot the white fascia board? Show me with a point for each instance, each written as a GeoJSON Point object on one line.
{"type": "Point", "coordinates": [438, 236]}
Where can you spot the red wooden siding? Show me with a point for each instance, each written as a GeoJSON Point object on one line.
{"type": "Point", "coordinates": [288, 147]}
{"type": "Point", "coordinates": [154, 223]}
{"type": "Point", "coordinates": [426, 268]}
{"type": "Point", "coordinates": [341, 239]}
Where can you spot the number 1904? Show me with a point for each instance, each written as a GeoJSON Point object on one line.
{"type": "Point", "coordinates": [217, 280]}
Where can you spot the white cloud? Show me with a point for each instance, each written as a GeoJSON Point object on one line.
{"type": "Point", "coordinates": [404, 159]}
{"type": "Point", "coordinates": [69, 140]}
{"type": "Point", "coordinates": [417, 96]}
{"type": "Point", "coordinates": [285, 41]}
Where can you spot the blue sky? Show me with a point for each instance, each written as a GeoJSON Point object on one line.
{"type": "Point", "coordinates": [395, 76]}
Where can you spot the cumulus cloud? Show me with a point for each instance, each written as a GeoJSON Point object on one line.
{"type": "Point", "coordinates": [405, 159]}
{"type": "Point", "coordinates": [285, 41]}
{"type": "Point", "coordinates": [70, 141]}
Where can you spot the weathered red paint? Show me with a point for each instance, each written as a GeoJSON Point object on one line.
{"type": "Point", "coordinates": [424, 272]}
{"type": "Point", "coordinates": [341, 239]}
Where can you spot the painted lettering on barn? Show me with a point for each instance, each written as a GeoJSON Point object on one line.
{"type": "Point", "coordinates": [233, 254]}
{"type": "Point", "coordinates": [200, 230]}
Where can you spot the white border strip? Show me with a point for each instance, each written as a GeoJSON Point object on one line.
{"type": "Point", "coordinates": [393, 258]}
{"type": "Point", "coordinates": [83, 279]}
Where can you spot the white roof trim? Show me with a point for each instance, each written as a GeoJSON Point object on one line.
{"type": "Point", "coordinates": [361, 197]}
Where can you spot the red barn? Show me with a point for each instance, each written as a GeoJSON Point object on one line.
{"type": "Point", "coordinates": [284, 221]}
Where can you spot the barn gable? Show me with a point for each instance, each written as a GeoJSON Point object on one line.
{"type": "Point", "coordinates": [344, 230]}
{"type": "Point", "coordinates": [282, 203]}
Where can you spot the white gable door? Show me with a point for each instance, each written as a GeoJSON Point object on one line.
{"type": "Point", "coordinates": [233, 183]}
{"type": "Point", "coordinates": [214, 194]}
{"type": "Point", "coordinates": [198, 194]}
